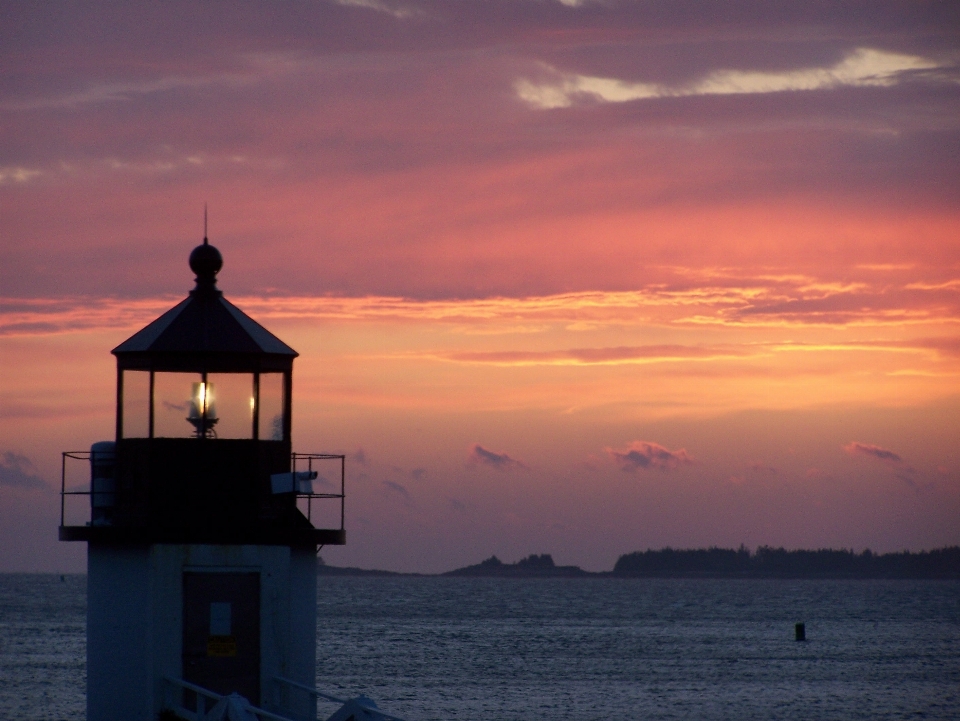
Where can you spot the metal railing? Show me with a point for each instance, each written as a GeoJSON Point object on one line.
{"type": "Point", "coordinates": [327, 697]}
{"type": "Point", "coordinates": [102, 496]}
{"type": "Point", "coordinates": [305, 462]}
{"type": "Point", "coordinates": [76, 456]}
{"type": "Point", "coordinates": [176, 686]}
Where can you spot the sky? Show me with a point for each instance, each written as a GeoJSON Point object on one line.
{"type": "Point", "coordinates": [578, 278]}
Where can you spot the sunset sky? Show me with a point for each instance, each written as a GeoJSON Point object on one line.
{"type": "Point", "coordinates": [568, 277]}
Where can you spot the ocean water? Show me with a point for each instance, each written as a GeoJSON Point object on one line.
{"type": "Point", "coordinates": [43, 640]}
{"type": "Point", "coordinates": [597, 648]}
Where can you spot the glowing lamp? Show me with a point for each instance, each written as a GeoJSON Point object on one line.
{"type": "Point", "coordinates": [203, 413]}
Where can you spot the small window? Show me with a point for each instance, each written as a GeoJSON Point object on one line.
{"type": "Point", "coordinates": [232, 399]}
{"type": "Point", "coordinates": [175, 411]}
{"type": "Point", "coordinates": [271, 407]}
{"type": "Point", "coordinates": [136, 404]}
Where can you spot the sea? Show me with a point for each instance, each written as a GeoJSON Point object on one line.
{"type": "Point", "coordinates": [437, 648]}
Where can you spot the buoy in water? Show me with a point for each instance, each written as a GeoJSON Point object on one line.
{"type": "Point", "coordinates": [801, 632]}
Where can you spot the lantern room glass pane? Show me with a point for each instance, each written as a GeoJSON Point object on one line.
{"type": "Point", "coordinates": [231, 396]}
{"type": "Point", "coordinates": [271, 407]}
{"type": "Point", "coordinates": [172, 394]}
{"type": "Point", "coordinates": [136, 404]}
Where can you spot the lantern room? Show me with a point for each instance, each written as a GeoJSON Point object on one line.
{"type": "Point", "coordinates": [204, 370]}
{"type": "Point", "coordinates": [203, 421]}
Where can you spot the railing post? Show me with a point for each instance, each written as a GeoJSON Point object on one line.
{"type": "Point", "coordinates": [63, 484]}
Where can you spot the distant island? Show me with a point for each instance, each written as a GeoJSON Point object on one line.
{"type": "Point", "coordinates": [779, 563]}
{"type": "Point", "coordinates": [765, 562]}
{"type": "Point", "coordinates": [532, 566]}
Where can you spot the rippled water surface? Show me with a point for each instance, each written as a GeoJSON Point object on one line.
{"type": "Point", "coordinates": [43, 641]}
{"type": "Point", "coordinates": [437, 648]}
{"type": "Point", "coordinates": [598, 648]}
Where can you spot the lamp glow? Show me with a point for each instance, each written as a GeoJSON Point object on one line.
{"type": "Point", "coordinates": [203, 413]}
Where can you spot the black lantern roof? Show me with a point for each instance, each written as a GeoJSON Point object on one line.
{"type": "Point", "coordinates": [205, 332]}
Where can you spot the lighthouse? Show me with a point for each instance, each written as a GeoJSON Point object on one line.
{"type": "Point", "coordinates": [201, 548]}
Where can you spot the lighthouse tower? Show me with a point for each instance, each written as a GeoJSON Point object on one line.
{"type": "Point", "coordinates": [201, 553]}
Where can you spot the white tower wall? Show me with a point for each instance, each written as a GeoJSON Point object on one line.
{"type": "Point", "coordinates": [119, 634]}
{"type": "Point", "coordinates": [135, 623]}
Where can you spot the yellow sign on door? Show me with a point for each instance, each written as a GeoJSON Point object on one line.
{"type": "Point", "coordinates": [221, 646]}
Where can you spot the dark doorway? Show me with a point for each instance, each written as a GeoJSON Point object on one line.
{"type": "Point", "coordinates": [221, 632]}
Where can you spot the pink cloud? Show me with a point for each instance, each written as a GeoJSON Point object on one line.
{"type": "Point", "coordinates": [500, 461]}
{"type": "Point", "coordinates": [643, 455]}
{"type": "Point", "coordinates": [902, 471]}
{"type": "Point", "coordinates": [868, 449]}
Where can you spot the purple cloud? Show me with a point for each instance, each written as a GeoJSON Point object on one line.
{"type": "Point", "coordinates": [17, 470]}
{"type": "Point", "coordinates": [398, 490]}
{"type": "Point", "coordinates": [902, 470]}
{"type": "Point", "coordinates": [868, 449]}
{"type": "Point", "coordinates": [500, 461]}
{"type": "Point", "coordinates": [907, 477]}
{"type": "Point", "coordinates": [331, 63]}
{"type": "Point", "coordinates": [643, 455]}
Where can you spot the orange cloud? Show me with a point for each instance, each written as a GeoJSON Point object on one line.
{"type": "Point", "coordinates": [596, 356]}
{"type": "Point", "coordinates": [743, 299]}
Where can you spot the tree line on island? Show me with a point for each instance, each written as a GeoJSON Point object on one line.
{"type": "Point", "coordinates": [765, 562]}
{"type": "Point", "coordinates": [769, 562]}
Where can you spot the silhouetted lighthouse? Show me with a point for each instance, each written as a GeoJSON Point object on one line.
{"type": "Point", "coordinates": [201, 566]}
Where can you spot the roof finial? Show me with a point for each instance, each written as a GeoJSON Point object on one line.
{"type": "Point", "coordinates": [206, 262]}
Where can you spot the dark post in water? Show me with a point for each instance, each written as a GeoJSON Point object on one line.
{"type": "Point", "coordinates": [801, 632]}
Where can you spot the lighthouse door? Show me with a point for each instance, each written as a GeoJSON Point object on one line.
{"type": "Point", "coordinates": [221, 632]}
